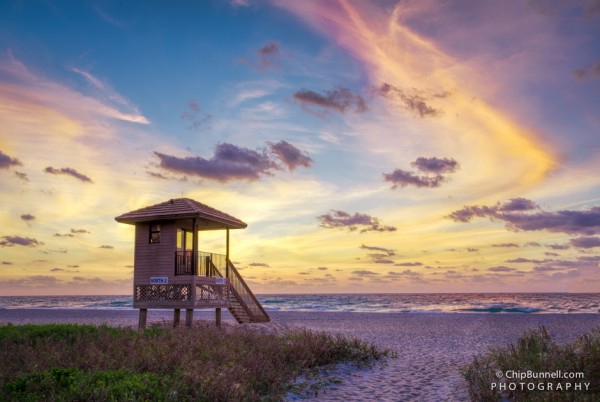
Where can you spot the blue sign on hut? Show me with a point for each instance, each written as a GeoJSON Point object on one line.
{"type": "Point", "coordinates": [170, 272]}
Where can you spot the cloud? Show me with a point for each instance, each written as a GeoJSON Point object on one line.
{"type": "Point", "coordinates": [27, 217]}
{"type": "Point", "coordinates": [267, 57]}
{"type": "Point", "coordinates": [276, 283]}
{"type": "Point", "coordinates": [10, 241]}
{"type": "Point", "coordinates": [520, 214]}
{"type": "Point", "coordinates": [69, 172]}
{"type": "Point", "coordinates": [105, 246]}
{"type": "Point", "coordinates": [409, 264]}
{"type": "Point", "coordinates": [432, 168]}
{"type": "Point", "coordinates": [80, 231]}
{"type": "Point", "coordinates": [22, 176]}
{"type": "Point", "coordinates": [7, 263]}
{"type": "Point", "coordinates": [533, 244]}
{"type": "Point", "coordinates": [258, 264]}
{"type": "Point", "coordinates": [229, 162]}
{"type": "Point", "coordinates": [381, 260]}
{"type": "Point", "coordinates": [363, 273]}
{"type": "Point", "coordinates": [7, 161]}
{"type": "Point", "coordinates": [407, 272]}
{"type": "Point", "coordinates": [64, 235]}
{"type": "Point", "coordinates": [558, 246]}
{"type": "Point", "coordinates": [592, 71]}
{"type": "Point", "coordinates": [115, 105]}
{"type": "Point", "coordinates": [322, 269]}
{"type": "Point", "coordinates": [289, 155]}
{"type": "Point", "coordinates": [341, 219]}
{"type": "Point", "coordinates": [414, 101]}
{"type": "Point", "coordinates": [388, 251]}
{"type": "Point", "coordinates": [435, 165]}
{"type": "Point", "coordinates": [240, 3]}
{"type": "Point", "coordinates": [402, 178]}
{"type": "Point", "coordinates": [527, 260]}
{"type": "Point", "coordinates": [586, 242]}
{"type": "Point", "coordinates": [501, 268]}
{"type": "Point", "coordinates": [198, 120]}
{"type": "Point", "coordinates": [34, 281]}
{"type": "Point", "coordinates": [65, 270]}
{"type": "Point", "coordinates": [339, 99]}
{"type": "Point", "coordinates": [505, 245]}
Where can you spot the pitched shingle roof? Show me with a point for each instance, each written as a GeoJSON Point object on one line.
{"type": "Point", "coordinates": [181, 208]}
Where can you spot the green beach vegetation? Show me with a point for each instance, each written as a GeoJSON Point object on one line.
{"type": "Point", "coordinates": [536, 368]}
{"type": "Point", "coordinates": [68, 362]}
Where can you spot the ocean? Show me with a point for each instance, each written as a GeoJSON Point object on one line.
{"type": "Point", "coordinates": [482, 303]}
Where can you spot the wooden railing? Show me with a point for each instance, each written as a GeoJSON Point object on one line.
{"type": "Point", "coordinates": [204, 263]}
{"type": "Point", "coordinates": [245, 296]}
{"type": "Point", "coordinates": [215, 265]}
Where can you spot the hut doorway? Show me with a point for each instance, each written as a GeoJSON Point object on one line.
{"type": "Point", "coordinates": [185, 249]}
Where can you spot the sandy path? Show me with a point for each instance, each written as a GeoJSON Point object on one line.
{"type": "Point", "coordinates": [431, 347]}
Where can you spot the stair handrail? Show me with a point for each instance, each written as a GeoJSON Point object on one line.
{"type": "Point", "coordinates": [239, 279]}
{"type": "Point", "coordinates": [231, 289]}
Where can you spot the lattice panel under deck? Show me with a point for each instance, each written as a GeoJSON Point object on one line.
{"type": "Point", "coordinates": [144, 293]}
{"type": "Point", "coordinates": [207, 294]}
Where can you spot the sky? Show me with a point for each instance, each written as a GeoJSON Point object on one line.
{"type": "Point", "coordinates": [379, 147]}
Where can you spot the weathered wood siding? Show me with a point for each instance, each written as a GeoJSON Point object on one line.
{"type": "Point", "coordinates": [154, 259]}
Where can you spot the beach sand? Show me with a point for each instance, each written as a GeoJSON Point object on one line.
{"type": "Point", "coordinates": [432, 347]}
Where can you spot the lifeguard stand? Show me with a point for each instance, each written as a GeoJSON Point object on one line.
{"type": "Point", "coordinates": [170, 272]}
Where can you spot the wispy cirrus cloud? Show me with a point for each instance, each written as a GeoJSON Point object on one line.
{"type": "Point", "coordinates": [122, 109]}
{"type": "Point", "coordinates": [352, 222]}
{"type": "Point", "coordinates": [454, 104]}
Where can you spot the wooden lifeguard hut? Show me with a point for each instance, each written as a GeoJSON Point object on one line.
{"type": "Point", "coordinates": [170, 272]}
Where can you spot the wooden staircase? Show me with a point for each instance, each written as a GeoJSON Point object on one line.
{"type": "Point", "coordinates": [243, 305]}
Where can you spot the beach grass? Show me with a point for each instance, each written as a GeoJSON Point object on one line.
{"type": "Point", "coordinates": [508, 373]}
{"type": "Point", "coordinates": [66, 362]}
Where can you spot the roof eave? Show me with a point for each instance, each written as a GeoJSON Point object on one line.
{"type": "Point", "coordinates": [226, 224]}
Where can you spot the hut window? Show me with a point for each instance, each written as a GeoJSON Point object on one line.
{"type": "Point", "coordinates": [155, 233]}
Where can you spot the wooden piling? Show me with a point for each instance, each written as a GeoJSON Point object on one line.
{"type": "Point", "coordinates": [176, 315]}
{"type": "Point", "coordinates": [218, 316]}
{"type": "Point", "coordinates": [189, 317]}
{"type": "Point", "coordinates": [143, 316]}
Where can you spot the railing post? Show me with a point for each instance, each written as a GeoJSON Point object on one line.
{"type": "Point", "coordinates": [194, 247]}
{"type": "Point", "coordinates": [227, 253]}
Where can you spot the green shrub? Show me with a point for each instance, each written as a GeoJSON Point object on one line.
{"type": "Point", "coordinates": [536, 352]}
{"type": "Point", "coordinates": [89, 363]}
